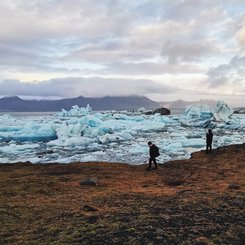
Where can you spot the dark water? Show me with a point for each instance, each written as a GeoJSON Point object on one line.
{"type": "Point", "coordinates": [29, 114]}
{"type": "Point", "coordinates": [50, 113]}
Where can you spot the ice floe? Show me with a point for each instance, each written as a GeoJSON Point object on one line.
{"type": "Point", "coordinates": [81, 134]}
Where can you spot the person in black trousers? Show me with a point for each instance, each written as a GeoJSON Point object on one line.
{"type": "Point", "coordinates": [209, 140]}
{"type": "Point", "coordinates": [153, 154]}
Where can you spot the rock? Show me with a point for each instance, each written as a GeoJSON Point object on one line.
{"type": "Point", "coordinates": [89, 209]}
{"type": "Point", "coordinates": [159, 231]}
{"type": "Point", "coordinates": [89, 182]}
{"type": "Point", "coordinates": [233, 186]}
{"type": "Point", "coordinates": [92, 219]}
{"type": "Point", "coordinates": [239, 202]}
{"type": "Point", "coordinates": [174, 182]}
{"type": "Point", "coordinates": [162, 111]}
{"type": "Point", "coordinates": [240, 111]}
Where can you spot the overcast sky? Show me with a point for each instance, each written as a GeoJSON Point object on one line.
{"type": "Point", "coordinates": [163, 49]}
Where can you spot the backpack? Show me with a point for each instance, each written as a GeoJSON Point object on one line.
{"type": "Point", "coordinates": [157, 151]}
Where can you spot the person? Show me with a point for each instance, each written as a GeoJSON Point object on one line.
{"type": "Point", "coordinates": [209, 140]}
{"type": "Point", "coordinates": [153, 150]}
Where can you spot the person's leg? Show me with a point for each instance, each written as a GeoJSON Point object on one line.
{"type": "Point", "coordinates": [206, 147]}
{"type": "Point", "coordinates": [210, 147]}
{"type": "Point", "coordinates": [155, 162]}
{"type": "Point", "coordinates": [150, 160]}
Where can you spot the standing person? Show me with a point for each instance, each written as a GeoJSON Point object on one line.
{"type": "Point", "coordinates": [154, 152]}
{"type": "Point", "coordinates": [209, 140]}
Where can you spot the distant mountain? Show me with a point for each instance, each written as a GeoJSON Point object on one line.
{"type": "Point", "coordinates": [180, 104]}
{"type": "Point", "coordinates": [17, 104]}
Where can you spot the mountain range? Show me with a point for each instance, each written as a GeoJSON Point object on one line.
{"type": "Point", "coordinates": [16, 104]}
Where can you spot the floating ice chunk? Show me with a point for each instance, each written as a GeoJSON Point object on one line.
{"type": "Point", "coordinates": [117, 125]}
{"type": "Point", "coordinates": [126, 135]}
{"type": "Point", "coordinates": [4, 160]}
{"type": "Point", "coordinates": [15, 149]}
{"type": "Point", "coordinates": [76, 129]}
{"type": "Point", "coordinates": [76, 111]}
{"type": "Point", "coordinates": [150, 126]}
{"type": "Point", "coordinates": [29, 132]}
{"type": "Point", "coordinates": [173, 147]}
{"type": "Point", "coordinates": [66, 160]}
{"type": "Point", "coordinates": [138, 149]}
{"type": "Point", "coordinates": [78, 141]}
{"type": "Point", "coordinates": [222, 112]}
{"type": "Point", "coordinates": [58, 142]}
{"type": "Point", "coordinates": [88, 158]}
{"type": "Point", "coordinates": [105, 130]}
{"type": "Point", "coordinates": [108, 138]}
{"type": "Point", "coordinates": [227, 140]}
{"type": "Point", "coordinates": [91, 132]}
{"type": "Point", "coordinates": [72, 141]}
{"type": "Point", "coordinates": [195, 143]}
{"type": "Point", "coordinates": [10, 129]}
{"type": "Point", "coordinates": [65, 130]}
{"type": "Point", "coordinates": [6, 118]}
{"type": "Point", "coordinates": [201, 112]}
{"type": "Point", "coordinates": [128, 118]}
{"type": "Point", "coordinates": [91, 121]}
{"type": "Point", "coordinates": [202, 115]}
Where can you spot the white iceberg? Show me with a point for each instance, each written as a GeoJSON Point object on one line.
{"type": "Point", "coordinates": [222, 113]}
{"type": "Point", "coordinates": [75, 111]}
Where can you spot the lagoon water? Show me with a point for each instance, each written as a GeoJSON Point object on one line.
{"type": "Point", "coordinates": [28, 114]}
{"type": "Point", "coordinates": [45, 137]}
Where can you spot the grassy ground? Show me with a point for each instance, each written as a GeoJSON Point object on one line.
{"type": "Point", "coordinates": [196, 201]}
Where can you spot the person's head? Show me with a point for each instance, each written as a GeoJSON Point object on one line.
{"type": "Point", "coordinates": [210, 130]}
{"type": "Point", "coordinates": [149, 143]}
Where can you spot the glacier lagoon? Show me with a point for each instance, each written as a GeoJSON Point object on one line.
{"type": "Point", "coordinates": [84, 135]}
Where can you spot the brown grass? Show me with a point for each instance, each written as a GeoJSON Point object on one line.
{"type": "Point", "coordinates": [195, 201]}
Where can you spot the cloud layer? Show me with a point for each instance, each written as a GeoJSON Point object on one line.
{"type": "Point", "coordinates": [114, 47]}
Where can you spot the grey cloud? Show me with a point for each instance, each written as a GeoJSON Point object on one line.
{"type": "Point", "coordinates": [94, 87]}
{"type": "Point", "coordinates": [67, 31]}
{"type": "Point", "coordinates": [232, 73]}
{"type": "Point", "coordinates": [176, 52]}
{"type": "Point", "coordinates": [21, 56]}
{"type": "Point", "coordinates": [240, 35]}
{"type": "Point", "coordinates": [150, 68]}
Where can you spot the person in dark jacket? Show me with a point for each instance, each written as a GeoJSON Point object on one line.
{"type": "Point", "coordinates": [153, 154]}
{"type": "Point", "coordinates": [209, 140]}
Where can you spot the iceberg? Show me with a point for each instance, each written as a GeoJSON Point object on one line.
{"type": "Point", "coordinates": [75, 111]}
{"type": "Point", "coordinates": [201, 112]}
{"type": "Point", "coordinates": [29, 132]}
{"type": "Point", "coordinates": [222, 113]}
{"type": "Point", "coordinates": [205, 116]}
{"type": "Point", "coordinates": [15, 149]}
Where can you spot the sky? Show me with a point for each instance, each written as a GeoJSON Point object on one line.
{"type": "Point", "coordinates": [163, 49]}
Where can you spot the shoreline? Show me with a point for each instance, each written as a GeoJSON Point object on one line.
{"type": "Point", "coordinates": [121, 163]}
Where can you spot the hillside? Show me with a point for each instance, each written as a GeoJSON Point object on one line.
{"type": "Point", "coordinates": [196, 201]}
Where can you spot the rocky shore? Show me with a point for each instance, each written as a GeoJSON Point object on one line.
{"type": "Point", "coordinates": [195, 201]}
